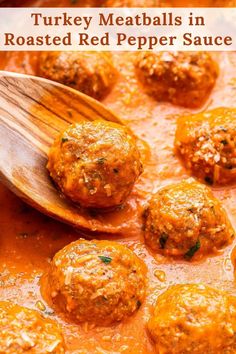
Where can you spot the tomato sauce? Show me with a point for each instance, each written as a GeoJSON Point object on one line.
{"type": "Point", "coordinates": [28, 239]}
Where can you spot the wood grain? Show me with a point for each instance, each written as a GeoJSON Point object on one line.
{"type": "Point", "coordinates": [32, 113]}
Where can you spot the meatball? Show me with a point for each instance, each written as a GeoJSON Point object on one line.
{"type": "Point", "coordinates": [185, 218]}
{"type": "Point", "coordinates": [26, 331]}
{"type": "Point", "coordinates": [182, 78]}
{"type": "Point", "coordinates": [195, 319]}
{"type": "Point", "coordinates": [206, 142]}
{"type": "Point", "coordinates": [95, 163]}
{"type": "Point", "coordinates": [92, 73]}
{"type": "Point", "coordinates": [96, 281]}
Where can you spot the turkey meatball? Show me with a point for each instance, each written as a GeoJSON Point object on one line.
{"type": "Point", "coordinates": [96, 281]}
{"type": "Point", "coordinates": [95, 163]}
{"type": "Point", "coordinates": [92, 73]}
{"type": "Point", "coordinates": [185, 218]}
{"type": "Point", "coordinates": [26, 331]}
{"type": "Point", "coordinates": [182, 78]}
{"type": "Point", "coordinates": [195, 319]}
{"type": "Point", "coordinates": [206, 142]}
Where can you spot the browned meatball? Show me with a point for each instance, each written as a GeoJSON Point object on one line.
{"type": "Point", "coordinates": [26, 331]}
{"type": "Point", "coordinates": [206, 142]}
{"type": "Point", "coordinates": [95, 163]}
{"type": "Point", "coordinates": [195, 319]}
{"type": "Point", "coordinates": [182, 78]}
{"type": "Point", "coordinates": [185, 218]}
{"type": "Point", "coordinates": [96, 281]}
{"type": "Point", "coordinates": [92, 73]}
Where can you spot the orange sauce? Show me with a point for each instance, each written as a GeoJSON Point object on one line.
{"type": "Point", "coordinates": [28, 240]}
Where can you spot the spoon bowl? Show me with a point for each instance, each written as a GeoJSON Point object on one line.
{"type": "Point", "coordinates": [33, 111]}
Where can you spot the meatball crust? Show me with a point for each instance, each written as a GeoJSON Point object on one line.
{"type": "Point", "coordinates": [206, 142]}
{"type": "Point", "coordinates": [185, 218]}
{"type": "Point", "coordinates": [195, 319]}
{"type": "Point", "coordinates": [182, 78]}
{"type": "Point", "coordinates": [95, 163]}
{"type": "Point", "coordinates": [26, 331]}
{"type": "Point", "coordinates": [92, 73]}
{"type": "Point", "coordinates": [96, 281]}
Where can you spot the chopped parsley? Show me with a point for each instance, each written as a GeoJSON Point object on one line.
{"type": "Point", "coordinates": [64, 140]}
{"type": "Point", "coordinates": [162, 240]}
{"type": "Point", "coordinates": [191, 210]}
{"type": "Point", "coordinates": [101, 160]}
{"type": "Point", "coordinates": [139, 304]}
{"type": "Point", "coordinates": [213, 210]}
{"type": "Point", "coordinates": [115, 170]}
{"type": "Point", "coordinates": [120, 207]}
{"type": "Point", "coordinates": [105, 259]}
{"type": "Point", "coordinates": [48, 312]}
{"type": "Point", "coordinates": [224, 142]}
{"type": "Point", "coordinates": [192, 250]}
{"type": "Point", "coordinates": [223, 129]}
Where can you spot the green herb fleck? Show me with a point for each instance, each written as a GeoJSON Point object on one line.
{"type": "Point", "coordinates": [213, 210]}
{"type": "Point", "coordinates": [192, 250]}
{"type": "Point", "coordinates": [223, 129]}
{"type": "Point", "coordinates": [64, 140]}
{"type": "Point", "coordinates": [162, 240]}
{"type": "Point", "coordinates": [139, 304]}
{"type": "Point", "coordinates": [120, 207]}
{"type": "Point", "coordinates": [101, 160]}
{"type": "Point", "coordinates": [224, 142]}
{"type": "Point", "coordinates": [208, 180]}
{"type": "Point", "coordinates": [105, 259]}
{"type": "Point", "coordinates": [191, 210]}
{"type": "Point", "coordinates": [48, 312]}
{"type": "Point", "coordinates": [115, 170]}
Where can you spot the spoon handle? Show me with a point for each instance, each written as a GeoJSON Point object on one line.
{"type": "Point", "coordinates": [31, 106]}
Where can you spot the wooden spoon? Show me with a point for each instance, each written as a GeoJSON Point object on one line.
{"type": "Point", "coordinates": [32, 113]}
